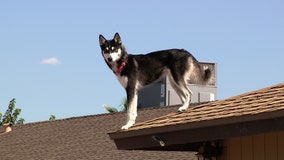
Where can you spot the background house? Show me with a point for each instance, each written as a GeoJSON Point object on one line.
{"type": "Point", "coordinates": [161, 93]}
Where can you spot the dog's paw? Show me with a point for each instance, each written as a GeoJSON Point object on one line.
{"type": "Point", "coordinates": [127, 126]}
{"type": "Point", "coordinates": [182, 108]}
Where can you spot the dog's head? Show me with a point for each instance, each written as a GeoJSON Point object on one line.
{"type": "Point", "coordinates": [112, 50]}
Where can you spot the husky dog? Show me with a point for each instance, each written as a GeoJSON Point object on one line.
{"type": "Point", "coordinates": [137, 71]}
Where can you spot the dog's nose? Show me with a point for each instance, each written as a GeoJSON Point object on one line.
{"type": "Point", "coordinates": [109, 59]}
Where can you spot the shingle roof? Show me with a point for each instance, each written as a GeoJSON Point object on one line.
{"type": "Point", "coordinates": [264, 100]}
{"type": "Point", "coordinates": [251, 113]}
{"type": "Point", "coordinates": [78, 138]}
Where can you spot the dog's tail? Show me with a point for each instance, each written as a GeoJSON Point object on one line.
{"type": "Point", "coordinates": [201, 74]}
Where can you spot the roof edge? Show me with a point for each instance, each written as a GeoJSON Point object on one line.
{"type": "Point", "coordinates": [150, 139]}
{"type": "Point", "coordinates": [197, 124]}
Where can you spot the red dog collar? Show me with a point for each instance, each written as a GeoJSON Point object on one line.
{"type": "Point", "coordinates": [120, 68]}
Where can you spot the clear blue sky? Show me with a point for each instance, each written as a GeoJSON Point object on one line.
{"type": "Point", "coordinates": [50, 59]}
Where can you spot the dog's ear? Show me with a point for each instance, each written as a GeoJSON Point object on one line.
{"type": "Point", "coordinates": [117, 38]}
{"type": "Point", "coordinates": [102, 40]}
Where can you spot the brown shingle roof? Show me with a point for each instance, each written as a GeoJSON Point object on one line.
{"type": "Point", "coordinates": [264, 100]}
{"type": "Point", "coordinates": [250, 113]}
{"type": "Point", "coordinates": [78, 138]}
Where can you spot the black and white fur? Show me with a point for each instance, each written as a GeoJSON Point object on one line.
{"type": "Point", "coordinates": [141, 70]}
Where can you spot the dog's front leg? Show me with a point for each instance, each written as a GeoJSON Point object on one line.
{"type": "Point", "coordinates": [132, 107]}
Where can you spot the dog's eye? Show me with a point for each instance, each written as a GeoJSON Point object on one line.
{"type": "Point", "coordinates": [106, 51]}
{"type": "Point", "coordinates": [114, 49]}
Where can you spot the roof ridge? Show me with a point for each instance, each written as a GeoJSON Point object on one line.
{"type": "Point", "coordinates": [255, 91]}
{"type": "Point", "coordinates": [98, 115]}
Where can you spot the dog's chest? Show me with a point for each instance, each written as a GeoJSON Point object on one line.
{"type": "Point", "coordinates": [123, 80]}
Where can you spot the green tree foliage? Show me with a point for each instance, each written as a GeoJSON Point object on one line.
{"type": "Point", "coordinates": [52, 117]}
{"type": "Point", "coordinates": [11, 115]}
{"type": "Point", "coordinates": [123, 105]}
{"type": "Point", "coordinates": [110, 109]}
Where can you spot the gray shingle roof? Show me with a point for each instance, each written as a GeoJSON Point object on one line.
{"type": "Point", "coordinates": [79, 138]}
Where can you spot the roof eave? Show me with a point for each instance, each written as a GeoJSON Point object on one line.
{"type": "Point", "coordinates": [199, 131]}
